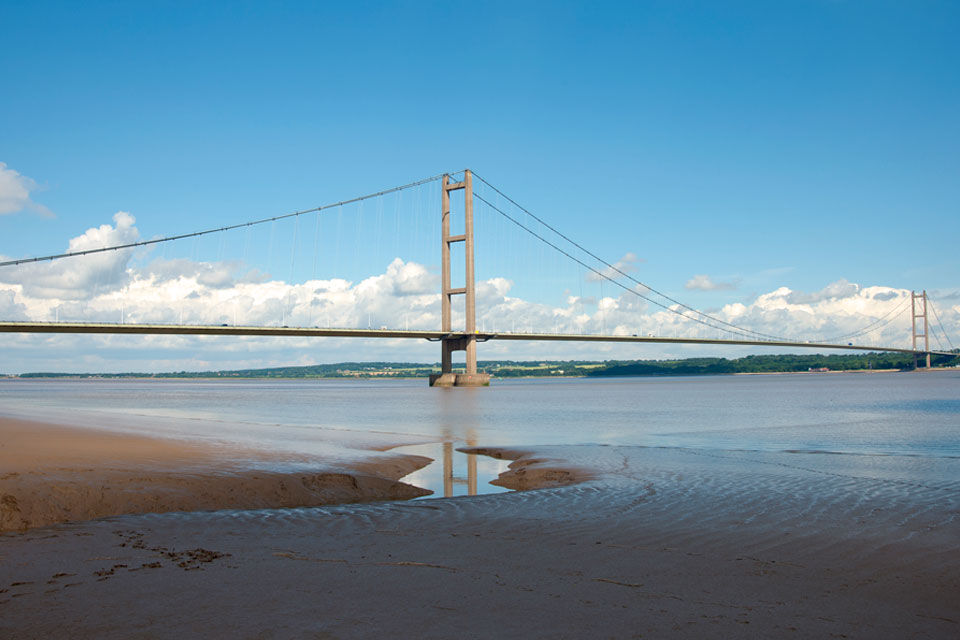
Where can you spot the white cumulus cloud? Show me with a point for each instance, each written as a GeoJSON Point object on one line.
{"type": "Point", "coordinates": [15, 192]}
{"type": "Point", "coordinates": [81, 276]}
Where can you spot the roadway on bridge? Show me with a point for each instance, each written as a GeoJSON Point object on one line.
{"type": "Point", "coordinates": [317, 332]}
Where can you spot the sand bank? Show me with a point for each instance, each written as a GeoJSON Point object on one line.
{"type": "Point", "coordinates": [638, 542]}
{"type": "Point", "coordinates": [52, 473]}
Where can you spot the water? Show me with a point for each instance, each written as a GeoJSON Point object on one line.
{"type": "Point", "coordinates": [888, 414]}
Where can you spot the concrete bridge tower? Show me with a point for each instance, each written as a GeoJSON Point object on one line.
{"type": "Point", "coordinates": [920, 311]}
{"type": "Point", "coordinates": [466, 341]}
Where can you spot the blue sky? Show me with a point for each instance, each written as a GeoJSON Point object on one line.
{"type": "Point", "coordinates": [758, 144]}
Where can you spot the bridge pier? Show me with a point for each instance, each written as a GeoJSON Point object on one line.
{"type": "Point", "coordinates": [468, 343]}
{"type": "Point", "coordinates": [460, 380]}
{"type": "Point", "coordinates": [446, 377]}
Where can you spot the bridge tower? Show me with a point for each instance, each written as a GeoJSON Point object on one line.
{"type": "Point", "coordinates": [467, 341]}
{"type": "Point", "coordinates": [922, 314]}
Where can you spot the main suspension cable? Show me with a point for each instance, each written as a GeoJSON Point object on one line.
{"type": "Point", "coordinates": [196, 234]}
{"type": "Point", "coordinates": [942, 330]}
{"type": "Point", "coordinates": [598, 272]}
{"type": "Point", "coordinates": [889, 317]}
{"type": "Point", "coordinates": [734, 327]}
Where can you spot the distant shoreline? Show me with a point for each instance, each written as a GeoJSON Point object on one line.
{"type": "Point", "coordinates": [418, 377]}
{"type": "Point", "coordinates": [747, 365]}
{"type": "Point", "coordinates": [81, 377]}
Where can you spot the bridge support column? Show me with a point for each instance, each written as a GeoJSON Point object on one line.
{"type": "Point", "coordinates": [467, 343]}
{"type": "Point", "coordinates": [921, 314]}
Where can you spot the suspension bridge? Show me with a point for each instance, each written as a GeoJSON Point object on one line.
{"type": "Point", "coordinates": [466, 336]}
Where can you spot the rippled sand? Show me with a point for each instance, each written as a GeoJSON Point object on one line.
{"type": "Point", "coordinates": [623, 542]}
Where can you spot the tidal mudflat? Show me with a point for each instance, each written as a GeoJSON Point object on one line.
{"type": "Point", "coordinates": [754, 519]}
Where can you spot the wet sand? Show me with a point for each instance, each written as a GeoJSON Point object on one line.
{"type": "Point", "coordinates": [52, 474]}
{"type": "Point", "coordinates": [620, 542]}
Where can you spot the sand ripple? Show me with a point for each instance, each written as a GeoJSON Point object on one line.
{"type": "Point", "coordinates": [649, 542]}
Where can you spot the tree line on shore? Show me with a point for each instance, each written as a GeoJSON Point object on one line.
{"type": "Point", "coordinates": [783, 363]}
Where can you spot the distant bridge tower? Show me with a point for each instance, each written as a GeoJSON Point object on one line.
{"type": "Point", "coordinates": [925, 335]}
{"type": "Point", "coordinates": [467, 341]}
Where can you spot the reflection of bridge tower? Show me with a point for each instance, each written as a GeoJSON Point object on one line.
{"type": "Point", "coordinates": [449, 479]}
{"type": "Point", "coordinates": [922, 314]}
{"type": "Point", "coordinates": [468, 342]}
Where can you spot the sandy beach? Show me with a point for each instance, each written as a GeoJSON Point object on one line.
{"type": "Point", "coordinates": [603, 541]}
{"type": "Point", "coordinates": [51, 474]}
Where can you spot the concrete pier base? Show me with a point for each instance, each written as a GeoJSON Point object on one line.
{"type": "Point", "coordinates": [460, 380]}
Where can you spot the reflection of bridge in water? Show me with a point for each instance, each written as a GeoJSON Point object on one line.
{"type": "Point", "coordinates": [449, 479]}
{"type": "Point", "coordinates": [466, 340]}
{"type": "Point", "coordinates": [454, 472]}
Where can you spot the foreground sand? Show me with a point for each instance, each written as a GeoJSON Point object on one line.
{"type": "Point", "coordinates": [625, 542]}
{"type": "Point", "coordinates": [51, 474]}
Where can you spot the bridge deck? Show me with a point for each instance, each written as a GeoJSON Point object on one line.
{"type": "Point", "coordinates": [228, 330]}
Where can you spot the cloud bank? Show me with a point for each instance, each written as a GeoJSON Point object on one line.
{"type": "Point", "coordinates": [116, 287]}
